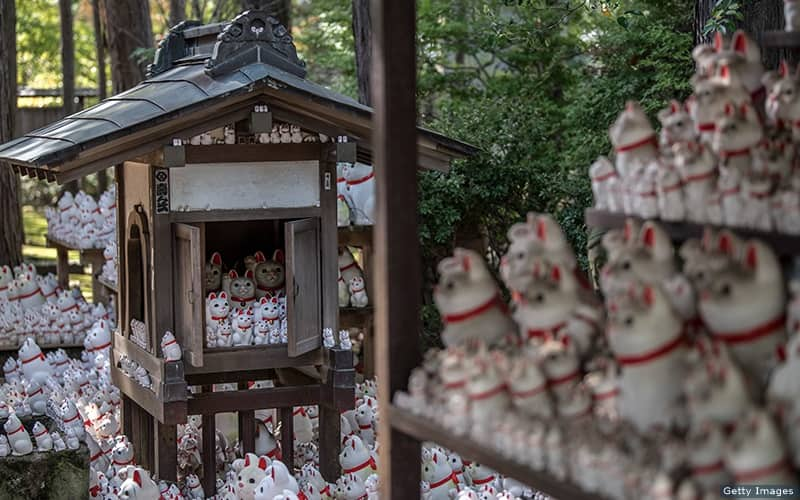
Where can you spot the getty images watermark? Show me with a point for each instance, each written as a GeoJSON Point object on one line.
{"type": "Point", "coordinates": [759, 491]}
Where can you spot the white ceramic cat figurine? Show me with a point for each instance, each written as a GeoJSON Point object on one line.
{"type": "Point", "coordinates": [217, 309]}
{"type": "Point", "coordinates": [527, 386]}
{"type": "Point", "coordinates": [437, 473]}
{"type": "Point", "coordinates": [214, 273]}
{"type": "Point", "coordinates": [277, 480]}
{"type": "Point", "coordinates": [270, 274]}
{"type": "Point", "coordinates": [18, 438]}
{"type": "Point", "coordinates": [696, 165]}
{"type": "Point", "coordinates": [676, 126]}
{"type": "Point", "coordinates": [33, 363]}
{"type": "Point", "coordinates": [737, 134]}
{"type": "Point", "coordinates": [138, 485]}
{"type": "Point", "coordinates": [250, 476]}
{"type": "Point", "coordinates": [242, 290]}
{"type": "Point", "coordinates": [669, 187]}
{"type": "Point", "coordinates": [646, 337]}
{"type": "Point", "coordinates": [348, 267]}
{"type": "Point", "coordinates": [634, 139]}
{"type": "Point", "coordinates": [243, 327]}
{"type": "Point", "coordinates": [756, 202]}
{"type": "Point", "coordinates": [358, 292]}
{"type": "Point", "coordinates": [43, 440]}
{"type": "Point", "coordinates": [605, 180]}
{"type": "Point", "coordinates": [755, 452]}
{"type": "Point", "coordinates": [225, 334]}
{"type": "Point", "coordinates": [743, 308]}
{"type": "Point", "coordinates": [538, 239]}
{"type": "Point", "coordinates": [361, 192]}
{"type": "Point", "coordinates": [170, 347]}
{"type": "Point", "coordinates": [469, 301]}
{"type": "Point", "coordinates": [355, 458]}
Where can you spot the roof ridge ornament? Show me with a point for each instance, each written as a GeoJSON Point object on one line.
{"type": "Point", "coordinates": [171, 48]}
{"type": "Point", "coordinates": [254, 36]}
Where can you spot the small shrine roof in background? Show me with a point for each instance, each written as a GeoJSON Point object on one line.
{"type": "Point", "coordinates": [197, 68]}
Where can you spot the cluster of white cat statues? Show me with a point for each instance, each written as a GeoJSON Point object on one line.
{"type": "Point", "coordinates": [249, 309]}
{"type": "Point", "coordinates": [679, 369]}
{"type": "Point", "coordinates": [281, 133]}
{"type": "Point", "coordinates": [725, 157]}
{"type": "Point", "coordinates": [355, 187]}
{"type": "Point", "coordinates": [82, 222]}
{"type": "Point", "coordinates": [33, 305]}
{"type": "Point", "coordinates": [352, 287]}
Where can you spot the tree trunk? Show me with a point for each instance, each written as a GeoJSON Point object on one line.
{"type": "Point", "coordinates": [102, 85]}
{"type": "Point", "coordinates": [362, 38]}
{"type": "Point", "coordinates": [67, 56]}
{"type": "Point", "coordinates": [127, 28]}
{"type": "Point", "coordinates": [177, 11]}
{"type": "Point", "coordinates": [11, 235]}
{"type": "Point", "coordinates": [759, 16]}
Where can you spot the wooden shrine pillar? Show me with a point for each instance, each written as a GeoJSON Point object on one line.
{"type": "Point", "coordinates": [397, 262]}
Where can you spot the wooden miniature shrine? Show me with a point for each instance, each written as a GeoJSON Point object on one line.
{"type": "Point", "coordinates": [180, 201]}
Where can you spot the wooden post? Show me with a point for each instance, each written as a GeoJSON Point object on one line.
{"type": "Point", "coordinates": [247, 430]}
{"type": "Point", "coordinates": [287, 436]}
{"type": "Point", "coordinates": [396, 266]}
{"type": "Point", "coordinates": [166, 447]}
{"type": "Point", "coordinates": [209, 454]}
{"type": "Point", "coordinates": [62, 266]}
{"type": "Point", "coordinates": [329, 442]}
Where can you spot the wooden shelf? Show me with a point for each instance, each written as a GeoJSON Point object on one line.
{"type": "Point", "coordinates": [782, 244]}
{"type": "Point", "coordinates": [780, 39]}
{"type": "Point", "coordinates": [425, 430]}
{"type": "Point", "coordinates": [111, 286]}
{"type": "Point", "coordinates": [356, 317]}
{"type": "Point", "coordinates": [54, 242]}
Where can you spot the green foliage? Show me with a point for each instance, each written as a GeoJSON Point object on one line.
{"type": "Point", "coordinates": [39, 44]}
{"type": "Point", "coordinates": [536, 87]}
{"type": "Point", "coordinates": [724, 17]}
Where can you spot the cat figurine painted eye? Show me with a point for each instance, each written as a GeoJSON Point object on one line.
{"type": "Point", "coordinates": [270, 274]}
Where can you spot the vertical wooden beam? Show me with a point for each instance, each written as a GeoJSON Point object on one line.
{"type": "Point", "coordinates": [247, 430]}
{"type": "Point", "coordinates": [287, 436]}
{"type": "Point", "coordinates": [397, 266]}
{"type": "Point", "coordinates": [329, 442]}
{"type": "Point", "coordinates": [62, 267]}
{"type": "Point", "coordinates": [329, 237]}
{"type": "Point", "coordinates": [166, 448]}
{"type": "Point", "coordinates": [209, 454]}
{"type": "Point", "coordinates": [127, 417]}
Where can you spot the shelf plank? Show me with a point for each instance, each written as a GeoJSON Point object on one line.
{"type": "Point", "coordinates": [56, 243]}
{"type": "Point", "coordinates": [783, 244]}
{"type": "Point", "coordinates": [426, 430]}
{"type": "Point", "coordinates": [111, 286]}
{"type": "Point", "coordinates": [781, 39]}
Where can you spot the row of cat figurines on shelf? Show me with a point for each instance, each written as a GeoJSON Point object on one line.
{"type": "Point", "coordinates": [82, 222]}
{"type": "Point", "coordinates": [709, 349]}
{"type": "Point", "coordinates": [725, 156]}
{"type": "Point", "coordinates": [33, 305]}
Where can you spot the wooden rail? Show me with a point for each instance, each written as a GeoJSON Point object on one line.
{"type": "Point", "coordinates": [782, 244]}
{"type": "Point", "coordinates": [424, 429]}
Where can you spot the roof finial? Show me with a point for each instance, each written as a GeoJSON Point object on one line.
{"type": "Point", "coordinates": [255, 36]}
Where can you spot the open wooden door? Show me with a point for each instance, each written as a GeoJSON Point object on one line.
{"type": "Point", "coordinates": [188, 289]}
{"type": "Point", "coordinates": [303, 286]}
